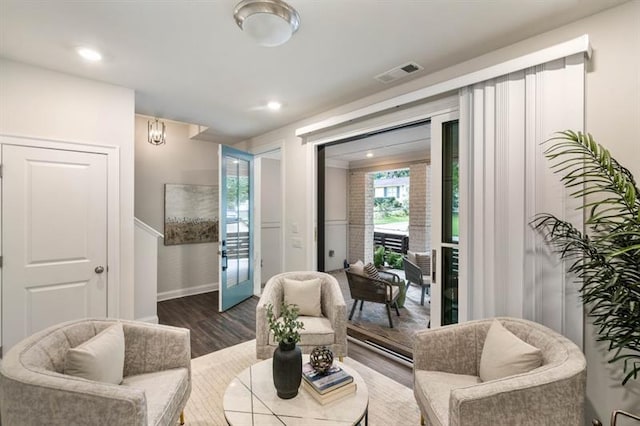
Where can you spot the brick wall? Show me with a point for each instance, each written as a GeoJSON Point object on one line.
{"type": "Point", "coordinates": [419, 207]}
{"type": "Point", "coordinates": [361, 194]}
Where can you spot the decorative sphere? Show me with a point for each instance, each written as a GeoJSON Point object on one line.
{"type": "Point", "coordinates": [321, 359]}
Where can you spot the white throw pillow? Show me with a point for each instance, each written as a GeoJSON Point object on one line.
{"type": "Point", "coordinates": [357, 268]}
{"type": "Point", "coordinates": [100, 358]}
{"type": "Point", "coordinates": [504, 354]}
{"type": "Point", "coordinates": [305, 294]}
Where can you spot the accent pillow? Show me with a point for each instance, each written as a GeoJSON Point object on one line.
{"type": "Point", "coordinates": [371, 271]}
{"type": "Point", "coordinates": [411, 255]}
{"type": "Point", "coordinates": [305, 294]}
{"type": "Point", "coordinates": [421, 260]}
{"type": "Point", "coordinates": [504, 354]}
{"type": "Point", "coordinates": [357, 268]}
{"type": "Point", "coordinates": [100, 358]}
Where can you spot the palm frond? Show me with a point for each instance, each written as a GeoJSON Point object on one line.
{"type": "Point", "coordinates": [607, 258]}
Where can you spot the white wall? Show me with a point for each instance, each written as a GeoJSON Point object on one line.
{"type": "Point", "coordinates": [187, 268]}
{"type": "Point", "coordinates": [146, 273]}
{"type": "Point", "coordinates": [335, 217]}
{"type": "Point", "coordinates": [39, 103]}
{"type": "Point", "coordinates": [271, 218]}
{"type": "Point", "coordinates": [612, 115]}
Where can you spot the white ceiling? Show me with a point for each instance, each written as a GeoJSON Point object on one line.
{"type": "Point", "coordinates": [405, 144]}
{"type": "Point", "coordinates": [188, 61]}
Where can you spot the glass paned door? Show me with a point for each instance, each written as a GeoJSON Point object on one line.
{"type": "Point", "coordinates": [445, 191]}
{"type": "Point", "coordinates": [236, 227]}
{"type": "Point", "coordinates": [450, 231]}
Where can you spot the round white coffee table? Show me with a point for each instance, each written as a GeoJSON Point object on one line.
{"type": "Point", "coordinates": [250, 399]}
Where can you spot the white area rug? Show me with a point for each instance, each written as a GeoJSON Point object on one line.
{"type": "Point", "coordinates": [390, 403]}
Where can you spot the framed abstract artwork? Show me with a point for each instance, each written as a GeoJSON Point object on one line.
{"type": "Point", "coordinates": [190, 214]}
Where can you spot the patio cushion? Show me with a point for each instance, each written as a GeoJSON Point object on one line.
{"type": "Point", "coordinates": [357, 268]}
{"type": "Point", "coordinates": [394, 292]}
{"type": "Point", "coordinates": [371, 271]}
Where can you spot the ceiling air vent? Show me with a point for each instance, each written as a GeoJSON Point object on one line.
{"type": "Point", "coordinates": [398, 72]}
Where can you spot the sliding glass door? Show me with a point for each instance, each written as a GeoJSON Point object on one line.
{"type": "Point", "coordinates": [445, 190]}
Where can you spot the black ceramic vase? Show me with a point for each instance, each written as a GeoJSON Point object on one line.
{"type": "Point", "coordinates": [287, 369]}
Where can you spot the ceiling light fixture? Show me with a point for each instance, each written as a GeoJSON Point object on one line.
{"type": "Point", "coordinates": [89, 54]}
{"type": "Point", "coordinates": [157, 132]}
{"type": "Point", "coordinates": [369, 154]}
{"type": "Point", "coordinates": [269, 22]}
{"type": "Point", "coordinates": [274, 105]}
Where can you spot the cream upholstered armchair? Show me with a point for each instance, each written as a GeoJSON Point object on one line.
{"type": "Point", "coordinates": [328, 328]}
{"type": "Point", "coordinates": [155, 389]}
{"type": "Point", "coordinates": [449, 391]}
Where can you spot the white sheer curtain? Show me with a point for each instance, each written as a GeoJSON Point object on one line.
{"type": "Point", "coordinates": [503, 122]}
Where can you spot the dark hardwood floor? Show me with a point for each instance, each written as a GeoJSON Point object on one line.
{"type": "Point", "coordinates": [212, 331]}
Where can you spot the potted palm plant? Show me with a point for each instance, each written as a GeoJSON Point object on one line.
{"type": "Point", "coordinates": [607, 257]}
{"type": "Point", "coordinates": [287, 358]}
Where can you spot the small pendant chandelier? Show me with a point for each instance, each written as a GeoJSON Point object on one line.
{"type": "Point", "coordinates": [157, 132]}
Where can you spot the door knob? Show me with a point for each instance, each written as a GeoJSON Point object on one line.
{"type": "Point", "coordinates": [99, 269]}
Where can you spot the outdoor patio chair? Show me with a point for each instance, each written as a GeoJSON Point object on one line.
{"type": "Point", "coordinates": [367, 289]}
{"type": "Point", "coordinates": [417, 276]}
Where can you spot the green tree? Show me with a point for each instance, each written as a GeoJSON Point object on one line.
{"type": "Point", "coordinates": [237, 190]}
{"type": "Point", "coordinates": [391, 174]}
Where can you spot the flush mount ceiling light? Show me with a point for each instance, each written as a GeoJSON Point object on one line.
{"type": "Point", "coordinates": [274, 105]}
{"type": "Point", "coordinates": [269, 22]}
{"type": "Point", "coordinates": [157, 132]}
{"type": "Point", "coordinates": [89, 54]}
{"type": "Point", "coordinates": [369, 154]}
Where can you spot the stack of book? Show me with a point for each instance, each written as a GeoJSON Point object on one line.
{"type": "Point", "coordinates": [327, 387]}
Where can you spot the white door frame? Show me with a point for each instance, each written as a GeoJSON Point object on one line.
{"type": "Point", "coordinates": [435, 186]}
{"type": "Point", "coordinates": [392, 119]}
{"type": "Point", "coordinates": [113, 206]}
{"type": "Point", "coordinates": [257, 207]}
{"type": "Point", "coordinates": [257, 235]}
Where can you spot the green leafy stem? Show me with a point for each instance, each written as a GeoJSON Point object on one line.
{"type": "Point", "coordinates": [606, 258]}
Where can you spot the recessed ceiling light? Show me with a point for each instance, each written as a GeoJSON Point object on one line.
{"type": "Point", "coordinates": [274, 105]}
{"type": "Point", "coordinates": [369, 154]}
{"type": "Point", "coordinates": [89, 54]}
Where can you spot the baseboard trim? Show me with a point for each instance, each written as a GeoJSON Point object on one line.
{"type": "Point", "coordinates": [152, 319]}
{"type": "Point", "coordinates": [189, 291]}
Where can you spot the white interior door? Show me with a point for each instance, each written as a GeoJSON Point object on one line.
{"type": "Point", "coordinates": [54, 221]}
{"type": "Point", "coordinates": [445, 232]}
